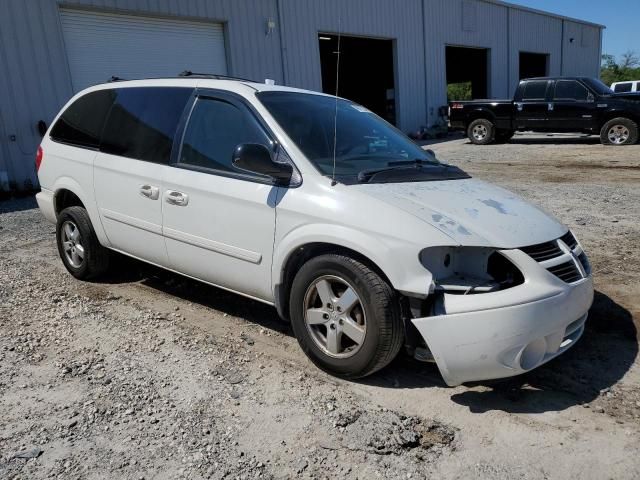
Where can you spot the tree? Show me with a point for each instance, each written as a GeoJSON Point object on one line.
{"type": "Point", "coordinates": [628, 68]}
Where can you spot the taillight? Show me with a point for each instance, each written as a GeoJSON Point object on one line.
{"type": "Point", "coordinates": [39, 155]}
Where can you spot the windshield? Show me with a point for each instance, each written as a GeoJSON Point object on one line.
{"type": "Point", "coordinates": [599, 87]}
{"type": "Point", "coordinates": [364, 142]}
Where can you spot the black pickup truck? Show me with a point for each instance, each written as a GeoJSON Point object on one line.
{"type": "Point", "coordinates": [567, 104]}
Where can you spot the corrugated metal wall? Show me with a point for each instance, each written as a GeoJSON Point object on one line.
{"type": "Point", "coordinates": [468, 24]}
{"type": "Point", "coordinates": [582, 55]}
{"type": "Point", "coordinates": [533, 33]}
{"type": "Point", "coordinates": [303, 19]}
{"type": "Point", "coordinates": [35, 80]}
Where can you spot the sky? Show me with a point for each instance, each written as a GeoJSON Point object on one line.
{"type": "Point", "coordinates": [621, 19]}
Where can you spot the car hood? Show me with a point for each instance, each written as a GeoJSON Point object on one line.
{"type": "Point", "coordinates": [471, 212]}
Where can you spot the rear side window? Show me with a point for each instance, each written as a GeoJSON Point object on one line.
{"type": "Point", "coordinates": [535, 90]}
{"type": "Point", "coordinates": [215, 129]}
{"type": "Point", "coordinates": [143, 122]}
{"type": "Point", "coordinates": [81, 124]}
{"type": "Point", "coordinates": [570, 90]}
{"type": "Point", "coordinates": [623, 87]}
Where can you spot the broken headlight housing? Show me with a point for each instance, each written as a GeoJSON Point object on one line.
{"type": "Point", "coordinates": [469, 270]}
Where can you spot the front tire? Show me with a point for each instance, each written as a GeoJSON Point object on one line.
{"type": "Point", "coordinates": [345, 316]}
{"type": "Point", "coordinates": [481, 131]}
{"type": "Point", "coordinates": [78, 245]}
{"type": "Point", "coordinates": [619, 131]}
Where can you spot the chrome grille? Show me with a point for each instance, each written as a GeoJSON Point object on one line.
{"type": "Point", "coordinates": [567, 272]}
{"type": "Point", "coordinates": [567, 266]}
{"type": "Point", "coordinates": [543, 251]}
{"type": "Point", "coordinates": [569, 240]}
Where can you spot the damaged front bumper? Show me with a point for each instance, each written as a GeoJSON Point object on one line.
{"type": "Point", "coordinates": [508, 332]}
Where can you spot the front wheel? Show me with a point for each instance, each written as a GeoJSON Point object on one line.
{"type": "Point", "coordinates": [345, 316]}
{"type": "Point", "coordinates": [619, 131]}
{"type": "Point", "coordinates": [481, 131]}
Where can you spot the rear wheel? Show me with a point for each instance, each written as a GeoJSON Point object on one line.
{"type": "Point", "coordinates": [481, 131]}
{"type": "Point", "coordinates": [78, 245]}
{"type": "Point", "coordinates": [345, 316]}
{"type": "Point", "coordinates": [619, 131]}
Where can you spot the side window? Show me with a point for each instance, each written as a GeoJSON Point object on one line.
{"type": "Point", "coordinates": [535, 90]}
{"type": "Point", "coordinates": [623, 87]}
{"type": "Point", "coordinates": [215, 129]}
{"type": "Point", "coordinates": [570, 90]}
{"type": "Point", "coordinates": [143, 122]}
{"type": "Point", "coordinates": [81, 124]}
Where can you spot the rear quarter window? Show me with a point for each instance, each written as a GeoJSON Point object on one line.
{"type": "Point", "coordinates": [82, 122]}
{"type": "Point", "coordinates": [143, 122]}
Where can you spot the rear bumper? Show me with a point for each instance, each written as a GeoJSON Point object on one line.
{"type": "Point", "coordinates": [45, 202]}
{"type": "Point", "coordinates": [540, 320]}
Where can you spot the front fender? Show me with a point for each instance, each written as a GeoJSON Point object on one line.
{"type": "Point", "coordinates": [398, 260]}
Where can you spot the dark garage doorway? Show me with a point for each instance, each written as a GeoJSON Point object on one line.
{"type": "Point", "coordinates": [366, 72]}
{"type": "Point", "coordinates": [467, 73]}
{"type": "Point", "coordinates": [533, 65]}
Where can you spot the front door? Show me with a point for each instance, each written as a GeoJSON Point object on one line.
{"type": "Point", "coordinates": [573, 108]}
{"type": "Point", "coordinates": [533, 107]}
{"type": "Point", "coordinates": [218, 221]}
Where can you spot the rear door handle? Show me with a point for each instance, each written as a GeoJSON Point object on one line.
{"type": "Point", "coordinates": [551, 107]}
{"type": "Point", "coordinates": [177, 198]}
{"type": "Point", "coordinates": [519, 106]}
{"type": "Point", "coordinates": [150, 192]}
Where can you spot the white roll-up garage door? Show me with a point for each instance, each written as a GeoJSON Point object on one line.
{"type": "Point", "coordinates": [101, 45]}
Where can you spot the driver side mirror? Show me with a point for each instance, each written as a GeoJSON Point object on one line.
{"type": "Point", "coordinates": [590, 97]}
{"type": "Point", "coordinates": [256, 158]}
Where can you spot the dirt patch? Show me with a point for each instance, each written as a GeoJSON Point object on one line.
{"type": "Point", "coordinates": [148, 375]}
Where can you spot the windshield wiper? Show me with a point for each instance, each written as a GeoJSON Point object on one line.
{"type": "Point", "coordinates": [366, 175]}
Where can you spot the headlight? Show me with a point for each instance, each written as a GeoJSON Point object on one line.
{"type": "Point", "coordinates": [469, 270]}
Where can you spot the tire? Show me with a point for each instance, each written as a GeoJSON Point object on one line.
{"type": "Point", "coordinates": [503, 136]}
{"type": "Point", "coordinates": [78, 246]}
{"type": "Point", "coordinates": [481, 131]}
{"type": "Point", "coordinates": [375, 313]}
{"type": "Point", "coordinates": [619, 131]}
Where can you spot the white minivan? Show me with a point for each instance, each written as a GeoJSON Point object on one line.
{"type": "Point", "coordinates": [315, 205]}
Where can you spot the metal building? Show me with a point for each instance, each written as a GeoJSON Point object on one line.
{"type": "Point", "coordinates": [397, 58]}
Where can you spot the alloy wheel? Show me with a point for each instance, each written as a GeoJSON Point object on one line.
{"type": "Point", "coordinates": [72, 244]}
{"type": "Point", "coordinates": [335, 317]}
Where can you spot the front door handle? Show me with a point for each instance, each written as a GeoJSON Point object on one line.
{"type": "Point", "coordinates": [551, 107]}
{"type": "Point", "coordinates": [177, 198]}
{"type": "Point", "coordinates": [150, 192]}
{"type": "Point", "coordinates": [519, 106]}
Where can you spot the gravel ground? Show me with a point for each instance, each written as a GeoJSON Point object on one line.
{"type": "Point", "coordinates": [149, 375]}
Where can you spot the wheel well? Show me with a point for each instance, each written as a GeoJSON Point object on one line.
{"type": "Point", "coordinates": [64, 199]}
{"type": "Point", "coordinates": [480, 114]}
{"type": "Point", "coordinates": [301, 256]}
{"type": "Point", "coordinates": [610, 116]}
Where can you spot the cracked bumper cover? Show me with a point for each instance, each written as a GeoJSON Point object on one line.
{"type": "Point", "coordinates": [506, 333]}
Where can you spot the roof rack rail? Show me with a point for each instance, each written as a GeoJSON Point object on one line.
{"type": "Point", "coordinates": [189, 73]}
{"type": "Point", "coordinates": [113, 78]}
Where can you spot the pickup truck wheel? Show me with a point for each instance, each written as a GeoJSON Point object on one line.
{"type": "Point", "coordinates": [481, 132]}
{"type": "Point", "coordinates": [345, 316]}
{"type": "Point", "coordinates": [619, 131]}
{"type": "Point", "coordinates": [78, 245]}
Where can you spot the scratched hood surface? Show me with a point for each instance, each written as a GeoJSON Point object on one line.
{"type": "Point", "coordinates": [472, 212]}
